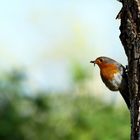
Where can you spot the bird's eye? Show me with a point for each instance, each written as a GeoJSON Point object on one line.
{"type": "Point", "coordinates": [101, 60]}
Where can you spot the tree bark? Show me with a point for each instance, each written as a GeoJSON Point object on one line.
{"type": "Point", "coordinates": [130, 38]}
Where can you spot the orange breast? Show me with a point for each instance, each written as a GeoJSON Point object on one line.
{"type": "Point", "coordinates": [108, 71]}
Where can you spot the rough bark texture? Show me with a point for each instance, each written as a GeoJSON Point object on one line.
{"type": "Point", "coordinates": [130, 38]}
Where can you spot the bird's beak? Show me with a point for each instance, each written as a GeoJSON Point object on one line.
{"type": "Point", "coordinates": [93, 62]}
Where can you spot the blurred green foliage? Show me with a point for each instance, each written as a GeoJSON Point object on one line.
{"type": "Point", "coordinates": [58, 116]}
{"type": "Point", "coordinates": [79, 72]}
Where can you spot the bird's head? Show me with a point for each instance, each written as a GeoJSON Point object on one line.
{"type": "Point", "coordinates": [100, 61]}
{"type": "Point", "coordinates": [103, 62]}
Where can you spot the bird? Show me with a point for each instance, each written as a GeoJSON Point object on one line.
{"type": "Point", "coordinates": [114, 76]}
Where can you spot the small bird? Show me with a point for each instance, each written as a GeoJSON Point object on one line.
{"type": "Point", "coordinates": [114, 76]}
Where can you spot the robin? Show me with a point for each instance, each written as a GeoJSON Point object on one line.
{"type": "Point", "coordinates": [114, 76]}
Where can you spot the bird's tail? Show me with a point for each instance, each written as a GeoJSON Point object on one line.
{"type": "Point", "coordinates": [124, 90]}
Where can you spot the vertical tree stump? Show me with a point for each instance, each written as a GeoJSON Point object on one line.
{"type": "Point", "coordinates": [130, 38]}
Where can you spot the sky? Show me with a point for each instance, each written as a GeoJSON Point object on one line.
{"type": "Point", "coordinates": [41, 37]}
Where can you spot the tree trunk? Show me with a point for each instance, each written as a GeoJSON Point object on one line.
{"type": "Point", "coordinates": [130, 38]}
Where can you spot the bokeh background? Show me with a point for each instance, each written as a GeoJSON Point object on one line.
{"type": "Point", "coordinates": [48, 88]}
